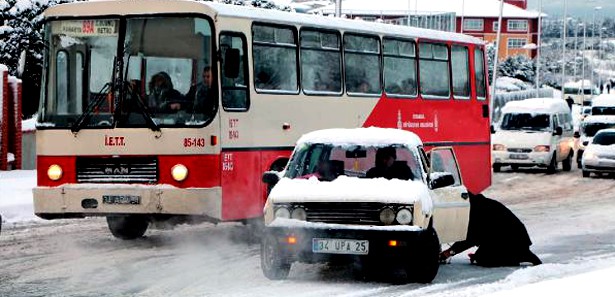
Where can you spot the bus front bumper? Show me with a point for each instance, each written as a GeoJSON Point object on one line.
{"type": "Point", "coordinates": [81, 200]}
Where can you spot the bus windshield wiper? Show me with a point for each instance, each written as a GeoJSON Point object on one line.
{"type": "Point", "coordinates": [85, 117]}
{"type": "Point", "coordinates": [138, 101]}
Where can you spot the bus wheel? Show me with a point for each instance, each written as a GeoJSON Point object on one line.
{"type": "Point", "coordinates": [567, 163]}
{"type": "Point", "coordinates": [273, 264]}
{"type": "Point", "coordinates": [424, 266]}
{"type": "Point", "coordinates": [127, 227]}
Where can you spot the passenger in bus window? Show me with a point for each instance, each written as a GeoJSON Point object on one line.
{"type": "Point", "coordinates": [200, 95]}
{"type": "Point", "coordinates": [363, 87]}
{"type": "Point", "coordinates": [263, 81]}
{"type": "Point", "coordinates": [163, 97]}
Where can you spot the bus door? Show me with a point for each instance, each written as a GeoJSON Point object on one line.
{"type": "Point", "coordinates": [450, 203]}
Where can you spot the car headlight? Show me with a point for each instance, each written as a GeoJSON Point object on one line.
{"type": "Point", "coordinates": [387, 216]}
{"type": "Point", "coordinates": [589, 155]}
{"type": "Point", "coordinates": [298, 214]}
{"type": "Point", "coordinates": [404, 216]}
{"type": "Point", "coordinates": [499, 147]}
{"type": "Point", "coordinates": [179, 172]}
{"type": "Point", "coordinates": [542, 148]}
{"type": "Point", "coordinates": [282, 212]}
{"type": "Point", "coordinates": [54, 172]}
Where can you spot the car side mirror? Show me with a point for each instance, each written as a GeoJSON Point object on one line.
{"type": "Point", "coordinates": [492, 128]}
{"type": "Point", "coordinates": [231, 62]}
{"type": "Point", "coordinates": [441, 180]}
{"type": "Point", "coordinates": [577, 134]}
{"type": "Point", "coordinates": [558, 131]}
{"type": "Point", "coordinates": [271, 178]}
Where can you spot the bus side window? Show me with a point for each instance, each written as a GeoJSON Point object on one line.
{"type": "Point", "coordinates": [399, 68]}
{"type": "Point", "coordinates": [274, 51]}
{"type": "Point", "coordinates": [461, 72]}
{"type": "Point", "coordinates": [434, 70]}
{"type": "Point", "coordinates": [362, 62]}
{"type": "Point", "coordinates": [321, 62]}
{"type": "Point", "coordinates": [479, 71]}
{"type": "Point", "coordinates": [235, 95]}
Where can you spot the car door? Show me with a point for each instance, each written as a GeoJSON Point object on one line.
{"type": "Point", "coordinates": [451, 210]}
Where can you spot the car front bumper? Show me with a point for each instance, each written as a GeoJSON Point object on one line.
{"type": "Point", "coordinates": [599, 165]}
{"type": "Point", "coordinates": [521, 159]}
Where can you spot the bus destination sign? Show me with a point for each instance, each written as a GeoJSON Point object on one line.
{"type": "Point", "coordinates": [84, 28]}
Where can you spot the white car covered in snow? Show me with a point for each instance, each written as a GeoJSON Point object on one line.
{"type": "Point", "coordinates": [371, 196]}
{"type": "Point", "coordinates": [599, 155]}
{"type": "Point", "coordinates": [534, 132]}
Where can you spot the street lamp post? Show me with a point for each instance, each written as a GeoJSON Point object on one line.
{"type": "Point", "coordinates": [564, 47]}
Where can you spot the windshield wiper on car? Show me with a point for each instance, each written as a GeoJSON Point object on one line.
{"type": "Point", "coordinates": [94, 104]}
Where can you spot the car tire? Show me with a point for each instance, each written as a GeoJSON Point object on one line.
{"type": "Point", "coordinates": [586, 173]}
{"type": "Point", "coordinates": [273, 264]}
{"type": "Point", "coordinates": [567, 163]}
{"type": "Point", "coordinates": [127, 227]}
{"type": "Point", "coordinates": [514, 167]}
{"type": "Point", "coordinates": [497, 167]}
{"type": "Point", "coordinates": [425, 265]}
{"type": "Point", "coordinates": [552, 167]}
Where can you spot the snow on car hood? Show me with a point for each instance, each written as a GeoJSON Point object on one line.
{"type": "Point", "coordinates": [602, 150]}
{"type": "Point", "coordinates": [352, 189]}
{"type": "Point", "coordinates": [521, 139]}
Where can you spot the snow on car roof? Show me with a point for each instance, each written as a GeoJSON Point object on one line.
{"type": "Point", "coordinates": [606, 100]}
{"type": "Point", "coordinates": [371, 136]}
{"type": "Point", "coordinates": [352, 189]}
{"type": "Point", "coordinates": [537, 105]}
{"type": "Point", "coordinates": [609, 119]}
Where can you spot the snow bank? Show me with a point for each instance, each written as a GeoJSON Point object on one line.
{"type": "Point", "coordinates": [372, 136]}
{"type": "Point", "coordinates": [16, 196]}
{"type": "Point", "coordinates": [352, 189]}
{"type": "Point", "coordinates": [510, 84]}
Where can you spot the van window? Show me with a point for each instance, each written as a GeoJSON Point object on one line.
{"type": "Point", "coordinates": [526, 122]}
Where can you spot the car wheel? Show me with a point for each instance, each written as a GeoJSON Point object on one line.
{"type": "Point", "coordinates": [127, 227]}
{"type": "Point", "coordinates": [425, 265]}
{"type": "Point", "coordinates": [586, 173]}
{"type": "Point", "coordinates": [273, 263]}
{"type": "Point", "coordinates": [514, 167]}
{"type": "Point", "coordinates": [497, 167]}
{"type": "Point", "coordinates": [552, 165]}
{"type": "Point", "coordinates": [567, 163]}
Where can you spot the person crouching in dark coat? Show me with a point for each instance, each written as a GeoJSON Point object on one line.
{"type": "Point", "coordinates": [501, 237]}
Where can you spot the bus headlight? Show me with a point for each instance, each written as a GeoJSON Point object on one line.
{"type": "Point", "coordinates": [179, 172]}
{"type": "Point", "coordinates": [299, 214]}
{"type": "Point", "coordinates": [54, 172]}
{"type": "Point", "coordinates": [387, 216]}
{"type": "Point", "coordinates": [282, 212]}
{"type": "Point", "coordinates": [499, 147]}
{"type": "Point", "coordinates": [542, 148]}
{"type": "Point", "coordinates": [404, 216]}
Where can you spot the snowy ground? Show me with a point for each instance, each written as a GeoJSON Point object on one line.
{"type": "Point", "coordinates": [570, 220]}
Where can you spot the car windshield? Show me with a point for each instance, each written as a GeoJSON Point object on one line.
{"type": "Point", "coordinates": [590, 129]}
{"type": "Point", "coordinates": [327, 162]}
{"type": "Point", "coordinates": [162, 57]}
{"type": "Point", "coordinates": [526, 122]}
{"type": "Point", "coordinates": [603, 110]}
{"type": "Point", "coordinates": [604, 138]}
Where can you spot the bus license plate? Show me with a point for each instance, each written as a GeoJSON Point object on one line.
{"type": "Point", "coordinates": [121, 199]}
{"type": "Point", "coordinates": [519, 156]}
{"type": "Point", "coordinates": [340, 246]}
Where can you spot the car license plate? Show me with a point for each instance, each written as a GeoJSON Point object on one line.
{"type": "Point", "coordinates": [121, 199]}
{"type": "Point", "coordinates": [340, 246]}
{"type": "Point", "coordinates": [519, 156]}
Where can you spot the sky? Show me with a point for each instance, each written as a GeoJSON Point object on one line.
{"type": "Point", "coordinates": [576, 8]}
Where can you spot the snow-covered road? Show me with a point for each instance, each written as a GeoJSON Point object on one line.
{"type": "Point", "coordinates": [569, 218]}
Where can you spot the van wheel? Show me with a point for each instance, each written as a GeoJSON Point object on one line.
{"type": "Point", "coordinates": [586, 173]}
{"type": "Point", "coordinates": [127, 227]}
{"type": "Point", "coordinates": [497, 167]}
{"type": "Point", "coordinates": [273, 263]}
{"type": "Point", "coordinates": [567, 163]}
{"type": "Point", "coordinates": [553, 165]}
{"type": "Point", "coordinates": [425, 264]}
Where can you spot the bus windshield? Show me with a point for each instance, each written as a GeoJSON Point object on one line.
{"type": "Point", "coordinates": [526, 122]}
{"type": "Point", "coordinates": [166, 74]}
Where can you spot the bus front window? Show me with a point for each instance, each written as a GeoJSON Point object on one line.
{"type": "Point", "coordinates": [166, 73]}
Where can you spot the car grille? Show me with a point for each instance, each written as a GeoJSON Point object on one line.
{"type": "Point", "coordinates": [363, 213]}
{"type": "Point", "coordinates": [520, 150]}
{"type": "Point", "coordinates": [117, 170]}
{"type": "Point", "coordinates": [609, 157]}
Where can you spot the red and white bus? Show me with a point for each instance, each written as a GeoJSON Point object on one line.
{"type": "Point", "coordinates": [122, 135]}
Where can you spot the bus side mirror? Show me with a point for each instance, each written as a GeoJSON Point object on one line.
{"type": "Point", "coordinates": [271, 178]}
{"type": "Point", "coordinates": [231, 63]}
{"type": "Point", "coordinates": [558, 131]}
{"type": "Point", "coordinates": [492, 128]}
{"type": "Point", "coordinates": [577, 134]}
{"type": "Point", "coordinates": [441, 180]}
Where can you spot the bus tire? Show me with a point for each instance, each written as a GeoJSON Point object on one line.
{"type": "Point", "coordinates": [567, 163]}
{"type": "Point", "coordinates": [273, 263]}
{"type": "Point", "coordinates": [424, 266]}
{"type": "Point", "coordinates": [127, 227]}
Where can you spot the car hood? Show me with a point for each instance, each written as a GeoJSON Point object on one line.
{"type": "Point", "coordinates": [352, 189]}
{"type": "Point", "coordinates": [521, 139]}
{"type": "Point", "coordinates": [601, 150]}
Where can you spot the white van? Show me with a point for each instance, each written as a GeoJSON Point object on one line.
{"type": "Point", "coordinates": [534, 132]}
